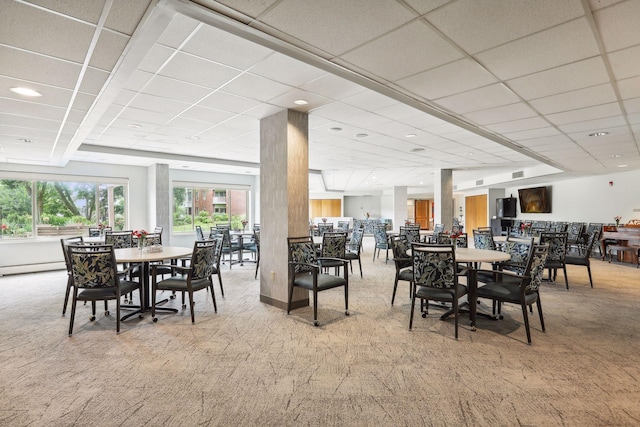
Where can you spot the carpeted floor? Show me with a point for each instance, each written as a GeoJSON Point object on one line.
{"type": "Point", "coordinates": [251, 364]}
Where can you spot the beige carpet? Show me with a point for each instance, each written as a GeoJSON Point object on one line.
{"type": "Point", "coordinates": [251, 364]}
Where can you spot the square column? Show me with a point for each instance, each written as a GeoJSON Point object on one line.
{"type": "Point", "coordinates": [443, 197]}
{"type": "Point", "coordinates": [284, 201]}
{"type": "Point", "coordinates": [399, 207]}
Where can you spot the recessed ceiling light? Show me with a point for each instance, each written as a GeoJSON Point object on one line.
{"type": "Point", "coordinates": [194, 138]}
{"type": "Point", "coordinates": [599, 134]}
{"type": "Point", "coordinates": [335, 129]}
{"type": "Point", "coordinates": [615, 156]}
{"type": "Point", "coordinates": [300, 102]}
{"type": "Point", "coordinates": [410, 135]}
{"type": "Point", "coordinates": [25, 91]}
{"type": "Point", "coordinates": [622, 166]}
{"type": "Point", "coordinates": [470, 153]}
{"type": "Point", "coordinates": [415, 150]}
{"type": "Point", "coordinates": [421, 182]}
{"type": "Point", "coordinates": [134, 126]}
{"type": "Point", "coordinates": [25, 141]}
{"type": "Point", "coordinates": [362, 135]}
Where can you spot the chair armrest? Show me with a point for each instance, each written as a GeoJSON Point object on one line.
{"type": "Point", "coordinates": [172, 266]}
{"type": "Point", "coordinates": [332, 259]}
{"type": "Point", "coordinates": [305, 264]}
{"type": "Point", "coordinates": [503, 273]}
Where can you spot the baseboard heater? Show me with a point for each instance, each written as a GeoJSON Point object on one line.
{"type": "Point", "coordinates": [31, 268]}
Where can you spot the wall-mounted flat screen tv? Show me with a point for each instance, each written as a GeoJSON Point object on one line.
{"type": "Point", "coordinates": [535, 200]}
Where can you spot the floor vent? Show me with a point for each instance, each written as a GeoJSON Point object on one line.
{"type": "Point", "coordinates": [519, 174]}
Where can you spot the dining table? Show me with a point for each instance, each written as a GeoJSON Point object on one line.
{"type": "Point", "coordinates": [145, 257]}
{"type": "Point", "coordinates": [474, 257]}
{"type": "Point", "coordinates": [240, 236]}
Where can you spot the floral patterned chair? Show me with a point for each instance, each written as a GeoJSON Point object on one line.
{"type": "Point", "coordinates": [557, 253]}
{"type": "Point", "coordinates": [195, 277]}
{"type": "Point", "coordinates": [96, 278]}
{"type": "Point", "coordinates": [333, 251]}
{"type": "Point", "coordinates": [435, 277]}
{"type": "Point", "coordinates": [305, 273]}
{"type": "Point", "coordinates": [400, 249]}
{"type": "Point", "coordinates": [521, 289]}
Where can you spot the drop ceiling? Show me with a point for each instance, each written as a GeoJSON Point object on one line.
{"type": "Point", "coordinates": [395, 89]}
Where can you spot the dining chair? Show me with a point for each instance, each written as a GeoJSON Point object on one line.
{"type": "Point", "coordinates": [96, 278]}
{"type": "Point", "coordinates": [332, 253]}
{"type": "Point", "coordinates": [305, 273]}
{"type": "Point", "coordinates": [65, 242]}
{"type": "Point", "coordinates": [400, 250]}
{"type": "Point", "coordinates": [256, 234]}
{"type": "Point", "coordinates": [381, 242]}
{"type": "Point", "coordinates": [435, 278]}
{"type": "Point", "coordinates": [583, 254]}
{"type": "Point", "coordinates": [354, 249]}
{"type": "Point", "coordinates": [412, 232]}
{"type": "Point", "coordinates": [556, 255]}
{"type": "Point", "coordinates": [521, 289]}
{"type": "Point", "coordinates": [195, 277]}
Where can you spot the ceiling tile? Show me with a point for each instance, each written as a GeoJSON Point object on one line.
{"type": "Point", "coordinates": [177, 31]}
{"type": "Point", "coordinates": [336, 27]}
{"type": "Point", "coordinates": [228, 102]}
{"type": "Point", "coordinates": [211, 115]}
{"type": "Point", "coordinates": [590, 126]}
{"type": "Point", "coordinates": [56, 35]}
{"type": "Point", "coordinates": [518, 125]}
{"type": "Point", "coordinates": [589, 72]}
{"type": "Point", "coordinates": [480, 99]}
{"type": "Point", "coordinates": [22, 65]}
{"type": "Point", "coordinates": [618, 25]}
{"type": "Point", "coordinates": [625, 62]}
{"type": "Point", "coordinates": [424, 6]}
{"type": "Point", "coordinates": [249, 7]}
{"type": "Point", "coordinates": [125, 15]}
{"type": "Point", "coordinates": [541, 51]}
{"type": "Point", "coordinates": [196, 70]}
{"type": "Point", "coordinates": [456, 77]}
{"type": "Point", "coordinates": [629, 88]}
{"type": "Point", "coordinates": [286, 70]}
{"type": "Point", "coordinates": [410, 49]}
{"type": "Point", "coordinates": [632, 105]}
{"type": "Point", "coordinates": [595, 95]}
{"type": "Point", "coordinates": [176, 89]}
{"type": "Point", "coordinates": [333, 87]}
{"type": "Point", "coordinates": [585, 114]}
{"type": "Point", "coordinates": [255, 87]}
{"type": "Point", "coordinates": [477, 25]}
{"type": "Point", "coordinates": [225, 49]}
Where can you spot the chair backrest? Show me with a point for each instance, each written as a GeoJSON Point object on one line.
{"type": "Point", "coordinates": [334, 244]}
{"type": "Point", "coordinates": [199, 233]}
{"type": "Point", "coordinates": [65, 242]}
{"type": "Point", "coordinates": [380, 234]}
{"type": "Point", "coordinates": [574, 231]}
{"type": "Point", "coordinates": [400, 246]}
{"type": "Point", "coordinates": [520, 249]}
{"type": "Point", "coordinates": [355, 243]}
{"type": "Point", "coordinates": [557, 244]}
{"type": "Point", "coordinates": [119, 239]}
{"type": "Point", "coordinates": [93, 266]}
{"type": "Point", "coordinates": [412, 232]}
{"type": "Point", "coordinates": [218, 259]}
{"type": "Point", "coordinates": [203, 259]}
{"type": "Point", "coordinates": [94, 232]}
{"type": "Point", "coordinates": [343, 225]}
{"type": "Point", "coordinates": [483, 239]}
{"type": "Point", "coordinates": [224, 232]}
{"type": "Point", "coordinates": [256, 227]}
{"type": "Point", "coordinates": [592, 240]}
{"type": "Point", "coordinates": [301, 250]}
{"type": "Point", "coordinates": [536, 267]}
{"type": "Point", "coordinates": [324, 227]}
{"type": "Point", "coordinates": [158, 230]}
{"type": "Point", "coordinates": [462, 240]}
{"type": "Point", "coordinates": [438, 228]}
{"type": "Point", "coordinates": [152, 239]}
{"type": "Point", "coordinates": [444, 239]}
{"type": "Point", "coordinates": [434, 265]}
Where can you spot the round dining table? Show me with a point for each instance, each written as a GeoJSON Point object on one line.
{"type": "Point", "coordinates": [145, 257]}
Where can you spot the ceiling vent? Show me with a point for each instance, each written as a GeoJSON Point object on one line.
{"type": "Point", "coordinates": [480, 182]}
{"type": "Point", "coordinates": [519, 174]}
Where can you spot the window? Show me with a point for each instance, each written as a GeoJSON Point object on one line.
{"type": "Point", "coordinates": [215, 206]}
{"type": "Point", "coordinates": [54, 208]}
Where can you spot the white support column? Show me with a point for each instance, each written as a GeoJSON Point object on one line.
{"type": "Point", "coordinates": [443, 197]}
{"type": "Point", "coordinates": [399, 207]}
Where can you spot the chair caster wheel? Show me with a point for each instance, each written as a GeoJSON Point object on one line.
{"type": "Point", "coordinates": [316, 323]}
{"type": "Point", "coordinates": [106, 313]}
{"type": "Point", "coordinates": [184, 306]}
{"type": "Point", "coordinates": [92, 318]}
{"type": "Point", "coordinates": [501, 317]}
{"type": "Point", "coordinates": [172, 297]}
{"type": "Point", "coordinates": [140, 316]}
{"type": "Point", "coordinates": [424, 315]}
{"type": "Point", "coordinates": [155, 319]}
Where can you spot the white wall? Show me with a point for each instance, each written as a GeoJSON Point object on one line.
{"type": "Point", "coordinates": [590, 199]}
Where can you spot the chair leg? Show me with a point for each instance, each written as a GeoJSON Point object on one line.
{"type": "Point", "coordinates": [413, 303]}
{"type": "Point", "coordinates": [315, 308]}
{"type": "Point", "coordinates": [566, 279]}
{"type": "Point", "coordinates": [395, 287]}
{"type": "Point", "coordinates": [526, 322]}
{"type": "Point", "coordinates": [213, 298]}
{"type": "Point", "coordinates": [191, 306]}
{"type": "Point", "coordinates": [117, 314]}
{"type": "Point", "coordinates": [220, 281]}
{"type": "Point", "coordinates": [73, 310]}
{"type": "Point", "coordinates": [589, 271]}
{"type": "Point", "coordinates": [374, 253]}
{"type": "Point", "coordinates": [290, 298]}
{"type": "Point", "coordinates": [455, 315]}
{"type": "Point", "coordinates": [360, 264]}
{"type": "Point", "coordinates": [66, 295]}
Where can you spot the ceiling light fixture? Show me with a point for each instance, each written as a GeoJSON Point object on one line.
{"type": "Point", "coordinates": [25, 141]}
{"type": "Point", "coordinates": [599, 134]}
{"type": "Point", "coordinates": [410, 135]}
{"type": "Point", "coordinates": [415, 150]}
{"type": "Point", "coordinates": [134, 126]}
{"type": "Point", "coordinates": [335, 129]}
{"type": "Point", "coordinates": [615, 156]}
{"type": "Point", "coordinates": [300, 102]}
{"type": "Point", "coordinates": [362, 135]}
{"type": "Point", "coordinates": [25, 91]}
{"type": "Point", "coordinates": [470, 153]}
{"type": "Point", "coordinates": [622, 166]}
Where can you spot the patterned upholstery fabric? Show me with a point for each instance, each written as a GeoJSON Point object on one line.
{"type": "Point", "coordinates": [483, 239]}
{"type": "Point", "coordinates": [92, 268]}
{"type": "Point", "coordinates": [536, 270]}
{"type": "Point", "coordinates": [356, 241]}
{"type": "Point", "coordinates": [334, 245]}
{"type": "Point", "coordinates": [380, 234]}
{"type": "Point", "coordinates": [557, 245]}
{"type": "Point", "coordinates": [520, 251]}
{"type": "Point", "coordinates": [119, 239]}
{"type": "Point", "coordinates": [434, 269]}
{"type": "Point", "coordinates": [574, 230]}
{"type": "Point", "coordinates": [204, 261]}
{"type": "Point", "coordinates": [302, 252]}
{"type": "Point", "coordinates": [412, 233]}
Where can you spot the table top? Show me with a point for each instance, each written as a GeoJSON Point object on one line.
{"type": "Point", "coordinates": [135, 255]}
{"type": "Point", "coordinates": [478, 255]}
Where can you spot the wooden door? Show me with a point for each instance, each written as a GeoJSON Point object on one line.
{"type": "Point", "coordinates": [421, 213]}
{"type": "Point", "coordinates": [476, 213]}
